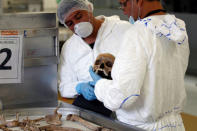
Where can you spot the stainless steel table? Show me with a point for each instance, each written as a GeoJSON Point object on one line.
{"type": "Point", "coordinates": [67, 109]}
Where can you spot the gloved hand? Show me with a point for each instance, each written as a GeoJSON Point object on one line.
{"type": "Point", "coordinates": [94, 76]}
{"type": "Point", "coordinates": [86, 90]}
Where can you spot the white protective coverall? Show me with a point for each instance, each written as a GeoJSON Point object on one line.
{"type": "Point", "coordinates": [147, 89]}
{"type": "Point", "coordinates": [77, 56]}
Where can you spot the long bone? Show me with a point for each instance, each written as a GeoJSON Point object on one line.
{"type": "Point", "coordinates": [91, 126]}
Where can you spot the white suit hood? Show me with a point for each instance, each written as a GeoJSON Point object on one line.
{"type": "Point", "coordinates": [168, 26]}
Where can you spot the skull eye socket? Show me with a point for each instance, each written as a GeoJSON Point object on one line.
{"type": "Point", "coordinates": [97, 62]}
{"type": "Point", "coordinates": [109, 64]}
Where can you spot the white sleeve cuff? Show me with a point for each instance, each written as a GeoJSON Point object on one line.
{"type": "Point", "coordinates": [108, 94]}
{"type": "Point", "coordinates": [101, 89]}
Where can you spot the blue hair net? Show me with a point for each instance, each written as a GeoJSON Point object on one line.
{"type": "Point", "coordinates": [66, 7]}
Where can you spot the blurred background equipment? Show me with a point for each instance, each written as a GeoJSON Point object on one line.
{"type": "Point", "coordinates": [1, 7]}
{"type": "Point", "coordinates": [34, 5]}
{"type": "Point", "coordinates": [183, 6]}
{"type": "Point", "coordinates": [41, 53]}
{"type": "Point", "coordinates": [11, 6]}
{"type": "Point", "coordinates": [50, 5]}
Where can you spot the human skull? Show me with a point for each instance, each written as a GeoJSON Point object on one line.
{"type": "Point", "coordinates": [103, 65]}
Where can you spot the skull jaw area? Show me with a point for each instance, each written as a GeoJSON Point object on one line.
{"type": "Point", "coordinates": [103, 74]}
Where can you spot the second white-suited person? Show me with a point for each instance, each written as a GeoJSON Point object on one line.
{"type": "Point", "coordinates": [92, 36]}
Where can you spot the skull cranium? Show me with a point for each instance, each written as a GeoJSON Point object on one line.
{"type": "Point", "coordinates": [103, 65]}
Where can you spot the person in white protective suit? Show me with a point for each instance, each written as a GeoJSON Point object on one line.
{"type": "Point", "coordinates": [147, 89]}
{"type": "Point", "coordinates": [92, 36]}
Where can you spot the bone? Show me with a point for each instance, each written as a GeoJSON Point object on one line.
{"type": "Point", "coordinates": [33, 121]}
{"type": "Point", "coordinates": [54, 119]}
{"type": "Point", "coordinates": [106, 129]}
{"type": "Point", "coordinates": [6, 125]}
{"type": "Point", "coordinates": [2, 119]}
{"type": "Point", "coordinates": [91, 126]}
{"type": "Point", "coordinates": [4, 128]}
{"type": "Point", "coordinates": [56, 128]}
{"type": "Point", "coordinates": [9, 124]}
{"type": "Point", "coordinates": [31, 128]}
{"type": "Point", "coordinates": [30, 125]}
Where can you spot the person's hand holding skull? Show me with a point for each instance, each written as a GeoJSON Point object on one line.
{"type": "Point", "coordinates": [102, 69]}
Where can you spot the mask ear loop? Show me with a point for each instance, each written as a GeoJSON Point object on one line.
{"type": "Point", "coordinates": [131, 1]}
{"type": "Point", "coordinates": [131, 18]}
{"type": "Point", "coordinates": [139, 13]}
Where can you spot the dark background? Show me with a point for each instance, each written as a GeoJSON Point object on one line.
{"type": "Point", "coordinates": [187, 6]}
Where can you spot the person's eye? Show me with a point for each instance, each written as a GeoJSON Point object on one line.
{"type": "Point", "coordinates": [69, 23]}
{"type": "Point", "coordinates": [78, 16]}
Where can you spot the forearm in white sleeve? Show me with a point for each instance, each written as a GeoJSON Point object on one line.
{"type": "Point", "coordinates": [68, 79]}
{"type": "Point", "coordinates": [111, 99]}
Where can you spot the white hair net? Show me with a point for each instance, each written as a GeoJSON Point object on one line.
{"type": "Point", "coordinates": [66, 7]}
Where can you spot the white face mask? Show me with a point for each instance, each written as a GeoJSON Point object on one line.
{"type": "Point", "coordinates": [83, 29]}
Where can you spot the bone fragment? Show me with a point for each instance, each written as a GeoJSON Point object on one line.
{"type": "Point", "coordinates": [91, 126]}
{"type": "Point", "coordinates": [57, 128]}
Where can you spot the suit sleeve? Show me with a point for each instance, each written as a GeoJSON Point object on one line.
{"type": "Point", "coordinates": [67, 76]}
{"type": "Point", "coordinates": [127, 73]}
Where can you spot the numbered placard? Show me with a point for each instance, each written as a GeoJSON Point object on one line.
{"type": "Point", "coordinates": [10, 58]}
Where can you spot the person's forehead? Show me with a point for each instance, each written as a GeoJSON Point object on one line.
{"type": "Point", "coordinates": [74, 13]}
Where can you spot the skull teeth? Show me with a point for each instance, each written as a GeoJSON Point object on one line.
{"type": "Point", "coordinates": [102, 71]}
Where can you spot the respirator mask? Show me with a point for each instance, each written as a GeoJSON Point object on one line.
{"type": "Point", "coordinates": [83, 29]}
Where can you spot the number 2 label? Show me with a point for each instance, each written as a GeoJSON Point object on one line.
{"type": "Point", "coordinates": [11, 58]}
{"type": "Point", "coordinates": [9, 54]}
